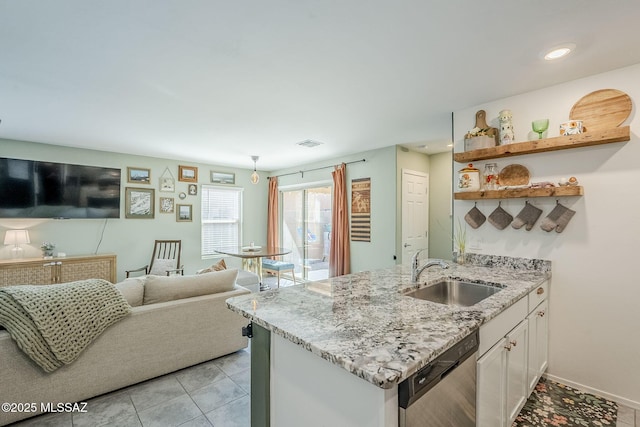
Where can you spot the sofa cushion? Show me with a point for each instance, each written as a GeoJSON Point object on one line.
{"type": "Point", "coordinates": [169, 288]}
{"type": "Point", "coordinates": [161, 266]}
{"type": "Point", "coordinates": [218, 266]}
{"type": "Point", "coordinates": [132, 289]}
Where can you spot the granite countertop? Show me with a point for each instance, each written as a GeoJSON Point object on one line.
{"type": "Point", "coordinates": [365, 324]}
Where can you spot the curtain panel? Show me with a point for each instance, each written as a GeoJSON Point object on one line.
{"type": "Point", "coordinates": [339, 254]}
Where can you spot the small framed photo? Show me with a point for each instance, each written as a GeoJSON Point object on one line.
{"type": "Point", "coordinates": [223, 177]}
{"type": "Point", "coordinates": [184, 213]}
{"type": "Point", "coordinates": [167, 184]}
{"type": "Point", "coordinates": [193, 190]}
{"type": "Point", "coordinates": [187, 173]}
{"type": "Point", "coordinates": [138, 175]}
{"type": "Point", "coordinates": [139, 203]}
{"type": "Point", "coordinates": [166, 205]}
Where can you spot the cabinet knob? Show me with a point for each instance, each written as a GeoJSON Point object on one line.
{"type": "Point", "coordinates": [540, 291]}
{"type": "Point", "coordinates": [541, 313]}
{"type": "Point", "coordinates": [514, 343]}
{"type": "Point", "coordinates": [508, 347]}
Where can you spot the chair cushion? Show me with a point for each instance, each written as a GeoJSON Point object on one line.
{"type": "Point", "coordinates": [169, 288]}
{"type": "Point", "coordinates": [271, 264]}
{"type": "Point", "coordinates": [132, 289]}
{"type": "Point", "coordinates": [161, 266]}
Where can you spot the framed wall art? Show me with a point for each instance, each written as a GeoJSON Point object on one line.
{"type": "Point", "coordinates": [223, 177]}
{"type": "Point", "coordinates": [138, 175]}
{"type": "Point", "coordinates": [184, 213]}
{"type": "Point", "coordinates": [187, 173]}
{"type": "Point", "coordinates": [139, 203]}
{"type": "Point", "coordinates": [166, 205]}
{"type": "Point", "coordinates": [167, 182]}
{"type": "Point", "coordinates": [193, 190]}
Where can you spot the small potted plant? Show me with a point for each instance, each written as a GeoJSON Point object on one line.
{"type": "Point", "coordinates": [47, 249]}
{"type": "Point", "coordinates": [460, 243]}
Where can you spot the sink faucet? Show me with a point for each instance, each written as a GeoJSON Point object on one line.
{"type": "Point", "coordinates": [416, 269]}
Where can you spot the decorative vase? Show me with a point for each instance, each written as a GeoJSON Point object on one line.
{"type": "Point", "coordinates": [47, 253]}
{"type": "Point", "coordinates": [461, 257]}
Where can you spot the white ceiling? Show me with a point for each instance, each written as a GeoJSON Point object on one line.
{"type": "Point", "coordinates": [218, 81]}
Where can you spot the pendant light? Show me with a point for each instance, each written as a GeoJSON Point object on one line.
{"type": "Point", "coordinates": [255, 178]}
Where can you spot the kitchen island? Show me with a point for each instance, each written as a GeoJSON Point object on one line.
{"type": "Point", "coordinates": [336, 350]}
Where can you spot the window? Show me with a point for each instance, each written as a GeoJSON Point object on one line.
{"type": "Point", "coordinates": [221, 218]}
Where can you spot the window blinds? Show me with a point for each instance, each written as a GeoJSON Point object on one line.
{"type": "Point", "coordinates": [221, 218]}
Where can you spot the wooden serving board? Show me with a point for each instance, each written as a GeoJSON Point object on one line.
{"type": "Point", "coordinates": [513, 175]}
{"type": "Point", "coordinates": [602, 109]}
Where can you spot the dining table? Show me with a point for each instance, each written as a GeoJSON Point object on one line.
{"type": "Point", "coordinates": [252, 257]}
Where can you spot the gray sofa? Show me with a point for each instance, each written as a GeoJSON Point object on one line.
{"type": "Point", "coordinates": [169, 329]}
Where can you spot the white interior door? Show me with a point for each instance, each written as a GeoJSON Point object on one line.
{"type": "Point", "coordinates": [415, 213]}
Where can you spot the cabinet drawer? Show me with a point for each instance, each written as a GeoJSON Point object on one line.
{"type": "Point", "coordinates": [500, 326]}
{"type": "Point", "coordinates": [538, 295]}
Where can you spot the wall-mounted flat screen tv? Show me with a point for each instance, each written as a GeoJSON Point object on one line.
{"type": "Point", "coordinates": [35, 189]}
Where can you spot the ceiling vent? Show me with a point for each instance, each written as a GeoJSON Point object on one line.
{"type": "Point", "coordinates": [308, 143]}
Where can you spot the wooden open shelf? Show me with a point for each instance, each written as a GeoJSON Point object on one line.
{"type": "Point", "coordinates": [586, 139]}
{"type": "Point", "coordinates": [521, 193]}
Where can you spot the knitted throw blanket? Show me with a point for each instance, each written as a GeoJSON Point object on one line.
{"type": "Point", "coordinates": [53, 324]}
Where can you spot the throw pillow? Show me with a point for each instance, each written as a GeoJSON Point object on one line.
{"type": "Point", "coordinates": [161, 266]}
{"type": "Point", "coordinates": [132, 289]}
{"type": "Point", "coordinates": [169, 288]}
{"type": "Point", "coordinates": [219, 266]}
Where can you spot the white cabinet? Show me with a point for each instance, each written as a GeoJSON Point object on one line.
{"type": "Point", "coordinates": [513, 356]}
{"type": "Point", "coordinates": [538, 343]}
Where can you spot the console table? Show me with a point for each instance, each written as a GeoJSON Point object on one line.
{"type": "Point", "coordinates": [39, 271]}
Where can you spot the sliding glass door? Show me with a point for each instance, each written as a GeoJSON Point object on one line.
{"type": "Point", "coordinates": [306, 226]}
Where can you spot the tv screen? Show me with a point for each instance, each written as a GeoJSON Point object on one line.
{"type": "Point", "coordinates": [35, 189]}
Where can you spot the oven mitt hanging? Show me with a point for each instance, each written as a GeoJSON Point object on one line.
{"type": "Point", "coordinates": [528, 215]}
{"type": "Point", "coordinates": [475, 218]}
{"type": "Point", "coordinates": [500, 218]}
{"type": "Point", "coordinates": [558, 218]}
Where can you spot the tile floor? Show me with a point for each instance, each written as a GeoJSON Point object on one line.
{"type": "Point", "coordinates": [214, 393]}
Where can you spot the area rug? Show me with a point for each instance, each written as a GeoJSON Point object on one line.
{"type": "Point", "coordinates": [555, 404]}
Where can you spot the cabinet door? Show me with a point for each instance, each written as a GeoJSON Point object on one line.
{"type": "Point", "coordinates": [491, 387]}
{"type": "Point", "coordinates": [98, 268]}
{"type": "Point", "coordinates": [37, 273]}
{"type": "Point", "coordinates": [538, 343]}
{"type": "Point", "coordinates": [517, 354]}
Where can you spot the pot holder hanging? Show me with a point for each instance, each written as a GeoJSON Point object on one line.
{"type": "Point", "coordinates": [474, 217]}
{"type": "Point", "coordinates": [500, 218]}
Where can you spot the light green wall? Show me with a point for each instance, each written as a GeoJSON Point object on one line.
{"type": "Point", "coordinates": [380, 167]}
{"type": "Point", "coordinates": [132, 239]}
{"type": "Point", "coordinates": [440, 179]}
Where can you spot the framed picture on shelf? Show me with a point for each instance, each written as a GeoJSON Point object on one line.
{"type": "Point", "coordinates": [223, 177]}
{"type": "Point", "coordinates": [138, 175]}
{"type": "Point", "coordinates": [139, 203]}
{"type": "Point", "coordinates": [184, 213]}
{"type": "Point", "coordinates": [187, 173]}
{"type": "Point", "coordinates": [166, 205]}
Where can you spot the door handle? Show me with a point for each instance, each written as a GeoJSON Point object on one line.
{"type": "Point", "coordinates": [406, 245]}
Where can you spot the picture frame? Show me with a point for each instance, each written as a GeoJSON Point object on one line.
{"type": "Point", "coordinates": [139, 203]}
{"type": "Point", "coordinates": [223, 177]}
{"type": "Point", "coordinates": [187, 173]}
{"type": "Point", "coordinates": [138, 175]}
{"type": "Point", "coordinates": [167, 205]}
{"type": "Point", "coordinates": [184, 213]}
{"type": "Point", "coordinates": [167, 182]}
{"type": "Point", "coordinates": [193, 190]}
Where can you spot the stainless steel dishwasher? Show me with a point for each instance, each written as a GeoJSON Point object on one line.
{"type": "Point", "coordinates": [443, 393]}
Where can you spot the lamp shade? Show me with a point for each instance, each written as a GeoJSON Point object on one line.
{"type": "Point", "coordinates": [16, 237]}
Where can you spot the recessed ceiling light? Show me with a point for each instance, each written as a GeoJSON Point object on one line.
{"type": "Point", "coordinates": [559, 51]}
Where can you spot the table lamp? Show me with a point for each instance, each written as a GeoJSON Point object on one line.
{"type": "Point", "coordinates": [16, 238]}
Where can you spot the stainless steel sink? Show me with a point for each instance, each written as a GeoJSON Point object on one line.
{"type": "Point", "coordinates": [455, 292]}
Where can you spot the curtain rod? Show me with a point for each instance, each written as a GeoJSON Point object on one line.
{"type": "Point", "coordinates": [316, 169]}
